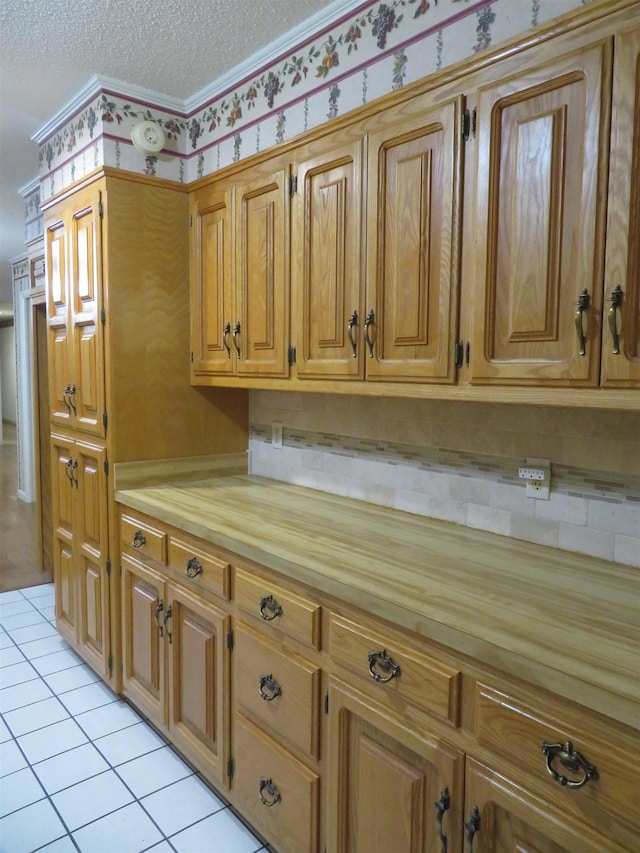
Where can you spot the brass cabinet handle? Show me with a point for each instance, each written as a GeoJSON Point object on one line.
{"type": "Point", "coordinates": [158, 610]}
{"type": "Point", "coordinates": [471, 827]}
{"type": "Point", "coordinates": [441, 807]}
{"type": "Point", "coordinates": [139, 539]}
{"type": "Point", "coordinates": [582, 305]}
{"type": "Point", "coordinates": [382, 668]}
{"type": "Point", "coordinates": [72, 397]}
{"type": "Point", "coordinates": [269, 608]}
{"type": "Point", "coordinates": [67, 470]}
{"type": "Point", "coordinates": [225, 339]}
{"type": "Point", "coordinates": [269, 794]}
{"type": "Point", "coordinates": [571, 760]}
{"type": "Point", "coordinates": [194, 568]}
{"type": "Point", "coordinates": [353, 321]}
{"type": "Point", "coordinates": [167, 616]}
{"type": "Point", "coordinates": [236, 332]}
{"type": "Point", "coordinates": [273, 689]}
{"type": "Point", "coordinates": [74, 468]}
{"type": "Point", "coordinates": [65, 394]}
{"type": "Point", "coordinates": [616, 301]}
{"type": "Point", "coordinates": [370, 321]}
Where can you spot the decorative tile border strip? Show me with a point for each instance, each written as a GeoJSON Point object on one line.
{"type": "Point", "coordinates": [567, 480]}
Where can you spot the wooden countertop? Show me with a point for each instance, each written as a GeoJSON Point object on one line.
{"type": "Point", "coordinates": [562, 621]}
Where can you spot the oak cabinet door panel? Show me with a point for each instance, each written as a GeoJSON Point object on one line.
{"type": "Point", "coordinates": [540, 206]}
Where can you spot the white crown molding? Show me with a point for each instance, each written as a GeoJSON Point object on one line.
{"type": "Point", "coordinates": [300, 34]}
{"type": "Point", "coordinates": [92, 89]}
{"type": "Point", "coordinates": [29, 188]}
{"type": "Point", "coordinates": [290, 40]}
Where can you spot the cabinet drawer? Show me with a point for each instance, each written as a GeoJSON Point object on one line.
{"type": "Point", "coordinates": [278, 689]}
{"type": "Point", "coordinates": [516, 730]}
{"type": "Point", "coordinates": [272, 605]}
{"type": "Point", "coordinates": [198, 569]}
{"type": "Point", "coordinates": [397, 669]}
{"type": "Point", "coordinates": [147, 541]}
{"type": "Point", "coordinates": [288, 817]}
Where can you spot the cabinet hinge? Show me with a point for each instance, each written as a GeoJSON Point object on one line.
{"type": "Point", "coordinates": [326, 702]}
{"type": "Point", "coordinates": [230, 768]}
{"type": "Point", "coordinates": [101, 209]}
{"type": "Point", "coordinates": [106, 467]}
{"type": "Point", "coordinates": [291, 356]}
{"type": "Point", "coordinates": [469, 124]}
{"type": "Point", "coordinates": [105, 420]}
{"type": "Point", "coordinates": [110, 663]}
{"type": "Point", "coordinates": [103, 317]}
{"type": "Point", "coordinates": [191, 356]}
{"type": "Point", "coordinates": [230, 639]}
{"type": "Point", "coordinates": [190, 220]}
{"type": "Point", "coordinates": [459, 353]}
{"type": "Point", "coordinates": [108, 566]}
{"type": "Point", "coordinates": [293, 185]}
{"type": "Point", "coordinates": [467, 353]}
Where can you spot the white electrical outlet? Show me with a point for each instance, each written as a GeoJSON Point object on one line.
{"type": "Point", "coordinates": [276, 434]}
{"type": "Point", "coordinates": [537, 474]}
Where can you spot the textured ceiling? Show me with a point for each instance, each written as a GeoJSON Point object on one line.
{"type": "Point", "coordinates": [49, 49]}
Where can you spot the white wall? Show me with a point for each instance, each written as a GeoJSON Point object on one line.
{"type": "Point", "coordinates": [8, 374]}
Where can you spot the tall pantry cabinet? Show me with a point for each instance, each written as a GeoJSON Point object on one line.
{"type": "Point", "coordinates": [118, 345]}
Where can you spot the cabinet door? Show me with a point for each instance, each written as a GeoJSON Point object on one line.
{"type": "Point", "coordinates": [211, 282]}
{"type": "Point", "coordinates": [199, 681]}
{"type": "Point", "coordinates": [621, 357]}
{"type": "Point", "coordinates": [62, 503]}
{"type": "Point", "coordinates": [86, 306]}
{"type": "Point", "coordinates": [413, 211]}
{"type": "Point", "coordinates": [391, 789]}
{"type": "Point", "coordinates": [260, 328]}
{"type": "Point", "coordinates": [143, 652]}
{"type": "Point", "coordinates": [503, 816]}
{"type": "Point", "coordinates": [540, 213]}
{"type": "Point", "coordinates": [92, 547]}
{"type": "Point", "coordinates": [326, 257]}
{"type": "Point", "coordinates": [58, 320]}
{"type": "Point", "coordinates": [74, 315]}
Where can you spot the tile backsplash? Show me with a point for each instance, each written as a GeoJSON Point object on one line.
{"type": "Point", "coordinates": [459, 462]}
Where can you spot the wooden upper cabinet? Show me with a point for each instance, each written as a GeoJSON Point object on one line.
{"type": "Point", "coordinates": [413, 233]}
{"type": "Point", "coordinates": [540, 205]}
{"type": "Point", "coordinates": [211, 284]}
{"type": "Point", "coordinates": [260, 322]}
{"type": "Point", "coordinates": [74, 305]}
{"type": "Point", "coordinates": [240, 275]}
{"type": "Point", "coordinates": [326, 262]}
{"type": "Point", "coordinates": [622, 271]}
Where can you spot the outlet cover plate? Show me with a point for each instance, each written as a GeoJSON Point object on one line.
{"type": "Point", "coordinates": [540, 489]}
{"type": "Point", "coordinates": [276, 434]}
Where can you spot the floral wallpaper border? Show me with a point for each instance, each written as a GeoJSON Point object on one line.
{"type": "Point", "coordinates": [372, 50]}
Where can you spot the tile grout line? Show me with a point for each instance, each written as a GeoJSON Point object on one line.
{"type": "Point", "coordinates": [93, 742]}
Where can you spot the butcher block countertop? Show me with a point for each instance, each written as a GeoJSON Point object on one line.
{"type": "Point", "coordinates": [562, 621]}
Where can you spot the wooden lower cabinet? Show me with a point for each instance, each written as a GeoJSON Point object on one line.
{"type": "Point", "coordinates": [504, 817]}
{"type": "Point", "coordinates": [331, 731]}
{"type": "Point", "coordinates": [275, 791]}
{"type": "Point", "coordinates": [80, 547]}
{"type": "Point", "coordinates": [396, 789]}
{"type": "Point", "coordinates": [176, 664]}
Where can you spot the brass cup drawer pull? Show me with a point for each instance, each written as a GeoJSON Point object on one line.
{"type": "Point", "coordinates": [269, 794]}
{"type": "Point", "coordinates": [269, 608]}
{"type": "Point", "coordinates": [571, 760]}
{"type": "Point", "coordinates": [139, 539]}
{"type": "Point", "coordinates": [269, 688]}
{"type": "Point", "coordinates": [194, 568]}
{"type": "Point", "coordinates": [382, 668]}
